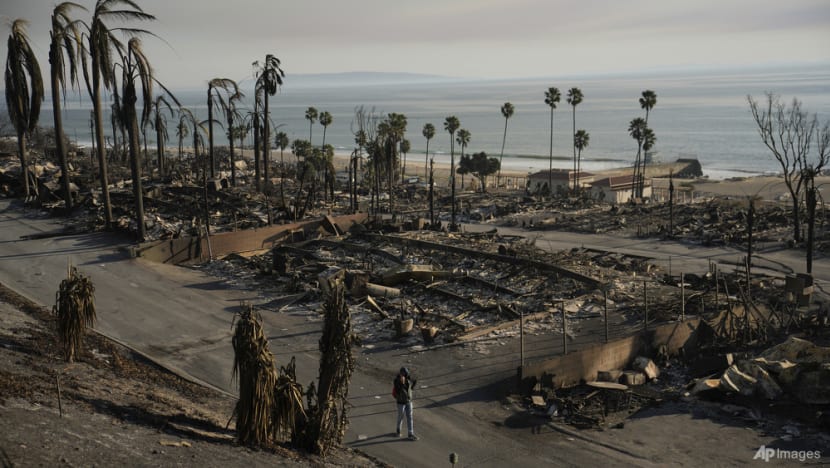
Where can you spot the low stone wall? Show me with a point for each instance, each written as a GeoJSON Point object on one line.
{"type": "Point", "coordinates": [583, 364]}
{"type": "Point", "coordinates": [189, 249]}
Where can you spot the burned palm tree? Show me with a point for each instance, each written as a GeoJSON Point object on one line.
{"type": "Point", "coordinates": [214, 86]}
{"type": "Point", "coordinates": [269, 78]}
{"type": "Point", "coordinates": [135, 68]}
{"type": "Point", "coordinates": [24, 91]}
{"type": "Point", "coordinates": [75, 311]}
{"type": "Point", "coordinates": [102, 43]}
{"type": "Point", "coordinates": [64, 52]}
{"type": "Point", "coordinates": [232, 116]}
{"type": "Point", "coordinates": [255, 369]}
{"type": "Point", "coordinates": [159, 124]}
{"type": "Point", "coordinates": [328, 405]}
{"type": "Point", "coordinates": [288, 416]}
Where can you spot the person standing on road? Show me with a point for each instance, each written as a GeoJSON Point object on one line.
{"type": "Point", "coordinates": [402, 392]}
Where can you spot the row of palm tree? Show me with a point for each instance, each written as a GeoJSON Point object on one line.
{"type": "Point", "coordinates": [73, 45]}
{"type": "Point", "coordinates": [107, 64]}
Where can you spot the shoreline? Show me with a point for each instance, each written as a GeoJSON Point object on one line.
{"type": "Point", "coordinates": [764, 186]}
{"type": "Point", "coordinates": [516, 165]}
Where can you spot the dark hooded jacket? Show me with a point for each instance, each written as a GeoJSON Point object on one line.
{"type": "Point", "coordinates": [403, 390]}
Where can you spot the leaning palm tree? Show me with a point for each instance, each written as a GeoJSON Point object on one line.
{"type": "Point", "coordinates": [311, 116]}
{"type": "Point", "coordinates": [507, 111]}
{"type": "Point", "coordinates": [325, 120]}
{"type": "Point", "coordinates": [637, 129]}
{"type": "Point", "coordinates": [451, 124]}
{"type": "Point", "coordinates": [428, 132]}
{"type": "Point", "coordinates": [75, 311]}
{"type": "Point", "coordinates": [24, 91]}
{"type": "Point", "coordinates": [101, 45]}
{"type": "Point", "coordinates": [214, 86]}
{"type": "Point", "coordinates": [647, 102]}
{"type": "Point", "coordinates": [581, 139]}
{"type": "Point", "coordinates": [65, 48]}
{"type": "Point", "coordinates": [649, 139]}
{"type": "Point", "coordinates": [463, 139]}
{"type": "Point", "coordinates": [269, 79]}
{"type": "Point", "coordinates": [574, 98]}
{"type": "Point", "coordinates": [552, 98]}
{"type": "Point", "coordinates": [135, 68]}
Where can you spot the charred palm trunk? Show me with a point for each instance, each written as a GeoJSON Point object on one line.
{"type": "Point", "coordinates": [257, 175]}
{"type": "Point", "coordinates": [24, 168]}
{"type": "Point", "coordinates": [232, 156]}
{"type": "Point", "coordinates": [452, 181]}
{"type": "Point", "coordinates": [115, 149]}
{"type": "Point", "coordinates": [59, 139]}
{"type": "Point", "coordinates": [160, 150]}
{"type": "Point", "coordinates": [99, 134]}
{"type": "Point", "coordinates": [390, 176]}
{"type": "Point", "coordinates": [282, 178]}
{"type": "Point", "coordinates": [131, 122]}
{"type": "Point", "coordinates": [266, 147]}
{"type": "Point", "coordinates": [210, 136]}
{"type": "Point", "coordinates": [431, 194]}
{"type": "Point", "coordinates": [325, 166]}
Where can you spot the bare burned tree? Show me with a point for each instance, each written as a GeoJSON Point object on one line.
{"type": "Point", "coordinates": [812, 192]}
{"type": "Point", "coordinates": [788, 132]}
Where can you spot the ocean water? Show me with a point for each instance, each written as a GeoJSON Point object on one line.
{"type": "Point", "coordinates": [698, 115]}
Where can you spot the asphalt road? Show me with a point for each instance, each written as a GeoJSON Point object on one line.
{"type": "Point", "coordinates": [182, 319]}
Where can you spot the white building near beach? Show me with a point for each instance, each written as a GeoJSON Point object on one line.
{"type": "Point", "coordinates": [619, 189]}
{"type": "Point", "coordinates": [560, 180]}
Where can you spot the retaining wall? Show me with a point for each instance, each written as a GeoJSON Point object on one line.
{"type": "Point", "coordinates": [583, 364]}
{"type": "Point", "coordinates": [188, 249]}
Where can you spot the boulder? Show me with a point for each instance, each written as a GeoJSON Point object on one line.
{"type": "Point", "coordinates": [647, 367]}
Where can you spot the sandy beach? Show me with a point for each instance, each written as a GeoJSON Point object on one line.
{"type": "Point", "coordinates": [761, 187]}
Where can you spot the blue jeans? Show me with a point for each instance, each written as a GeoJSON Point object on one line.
{"type": "Point", "coordinates": [405, 408]}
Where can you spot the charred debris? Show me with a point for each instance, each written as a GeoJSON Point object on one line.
{"type": "Point", "coordinates": [423, 287]}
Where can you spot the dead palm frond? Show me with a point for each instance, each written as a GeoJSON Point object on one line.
{"type": "Point", "coordinates": [75, 310]}
{"type": "Point", "coordinates": [289, 416]}
{"type": "Point", "coordinates": [253, 365]}
{"type": "Point", "coordinates": [24, 90]}
{"type": "Point", "coordinates": [65, 50]}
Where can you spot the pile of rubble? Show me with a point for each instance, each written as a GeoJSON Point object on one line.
{"type": "Point", "coordinates": [709, 222]}
{"type": "Point", "coordinates": [795, 368]}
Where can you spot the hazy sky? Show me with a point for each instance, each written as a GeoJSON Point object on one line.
{"type": "Point", "coordinates": [206, 39]}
